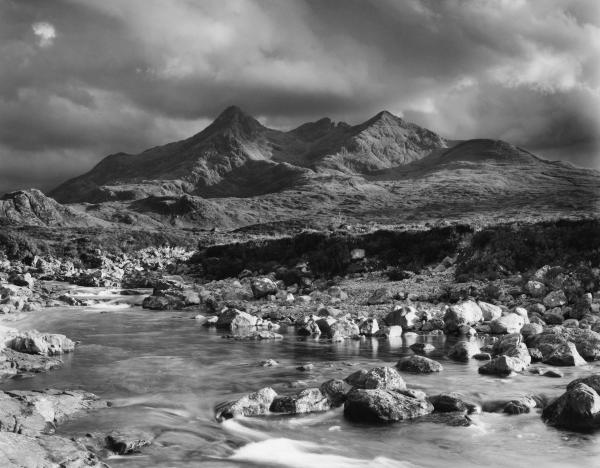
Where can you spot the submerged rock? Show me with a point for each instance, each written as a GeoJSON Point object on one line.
{"type": "Point", "coordinates": [463, 350]}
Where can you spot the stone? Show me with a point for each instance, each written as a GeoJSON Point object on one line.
{"type": "Point", "coordinates": [380, 296]}
{"type": "Point", "coordinates": [34, 342]}
{"type": "Point", "coordinates": [463, 350]}
{"type": "Point", "coordinates": [157, 303]}
{"type": "Point", "coordinates": [564, 354]}
{"type": "Point", "coordinates": [587, 342]}
{"type": "Point", "coordinates": [535, 288]}
{"type": "Point", "coordinates": [335, 390]}
{"type": "Point", "coordinates": [489, 311]}
{"type": "Point", "coordinates": [422, 348]}
{"type": "Point", "coordinates": [268, 363]}
{"type": "Point", "coordinates": [127, 443]}
{"type": "Point", "coordinates": [503, 365]}
{"type": "Point", "coordinates": [338, 293]}
{"type": "Point", "coordinates": [309, 328]}
{"type": "Point", "coordinates": [253, 404]}
{"type": "Point", "coordinates": [530, 329]}
{"type": "Point", "coordinates": [379, 377]}
{"type": "Point", "coordinates": [511, 323]}
{"type": "Point", "coordinates": [482, 356]}
{"type": "Point", "coordinates": [464, 313]}
{"type": "Point", "coordinates": [383, 406]}
{"type": "Point", "coordinates": [520, 405]}
{"type": "Point", "coordinates": [576, 409]}
{"type": "Point", "coordinates": [391, 332]}
{"type": "Point", "coordinates": [343, 329]}
{"type": "Point", "coordinates": [306, 401]}
{"type": "Point", "coordinates": [357, 254]}
{"type": "Point", "coordinates": [403, 316]}
{"type": "Point", "coordinates": [419, 365]}
{"type": "Point", "coordinates": [369, 327]}
{"type": "Point", "coordinates": [555, 299]}
{"type": "Point", "coordinates": [449, 402]}
{"type": "Point", "coordinates": [233, 319]}
{"type": "Point", "coordinates": [22, 279]}
{"type": "Point", "coordinates": [263, 287]}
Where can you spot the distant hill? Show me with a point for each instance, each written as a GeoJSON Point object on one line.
{"type": "Point", "coordinates": [237, 172]}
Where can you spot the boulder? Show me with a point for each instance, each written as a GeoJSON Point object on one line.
{"type": "Point", "coordinates": [555, 299]}
{"type": "Point", "coordinates": [520, 405]}
{"type": "Point", "coordinates": [335, 390]}
{"type": "Point", "coordinates": [576, 409]}
{"type": "Point", "coordinates": [380, 296]}
{"type": "Point", "coordinates": [535, 288]}
{"type": "Point", "coordinates": [503, 365]}
{"type": "Point", "coordinates": [379, 377]}
{"type": "Point", "coordinates": [309, 400]}
{"type": "Point", "coordinates": [254, 404]}
{"type": "Point", "coordinates": [564, 354]}
{"type": "Point", "coordinates": [530, 329]}
{"type": "Point", "coordinates": [464, 313]}
{"type": "Point", "coordinates": [369, 327]}
{"type": "Point", "coordinates": [343, 329]}
{"type": "Point", "coordinates": [450, 402]}
{"type": "Point", "coordinates": [383, 406]}
{"type": "Point", "coordinates": [490, 311]}
{"type": "Point", "coordinates": [391, 332]}
{"type": "Point", "coordinates": [263, 287]}
{"type": "Point", "coordinates": [34, 342]}
{"type": "Point", "coordinates": [463, 350]}
{"type": "Point", "coordinates": [22, 279]}
{"type": "Point", "coordinates": [510, 323]}
{"type": "Point", "coordinates": [422, 348]}
{"type": "Point", "coordinates": [587, 342]}
{"type": "Point", "coordinates": [233, 319]}
{"type": "Point", "coordinates": [419, 365]}
{"type": "Point", "coordinates": [403, 316]}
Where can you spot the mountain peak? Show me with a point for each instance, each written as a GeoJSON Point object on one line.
{"type": "Point", "coordinates": [233, 119]}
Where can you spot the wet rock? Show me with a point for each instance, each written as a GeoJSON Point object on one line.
{"type": "Point", "coordinates": [520, 406]}
{"type": "Point", "coordinates": [123, 443]}
{"type": "Point", "coordinates": [306, 401]}
{"type": "Point", "coordinates": [22, 279]}
{"type": "Point", "coordinates": [309, 328]}
{"type": "Point", "coordinates": [254, 404]}
{"type": "Point", "coordinates": [268, 363]}
{"type": "Point", "coordinates": [553, 373]}
{"type": "Point", "coordinates": [587, 342]}
{"type": "Point", "coordinates": [592, 381]}
{"type": "Point", "coordinates": [13, 362]}
{"type": "Point", "coordinates": [234, 319]}
{"type": "Point", "coordinates": [450, 402]}
{"type": "Point", "coordinates": [482, 356]}
{"type": "Point", "coordinates": [403, 316]}
{"type": "Point", "coordinates": [306, 367]}
{"type": "Point", "coordinates": [419, 365]}
{"type": "Point", "coordinates": [379, 377]}
{"type": "Point", "coordinates": [34, 342]}
{"type": "Point", "coordinates": [157, 303]}
{"type": "Point", "coordinates": [325, 325]}
{"type": "Point", "coordinates": [335, 390]}
{"type": "Point", "coordinates": [383, 406]}
{"type": "Point", "coordinates": [530, 329]}
{"type": "Point", "coordinates": [263, 287]}
{"type": "Point", "coordinates": [463, 350]}
{"type": "Point", "coordinates": [555, 299]}
{"type": "Point", "coordinates": [422, 348]}
{"type": "Point", "coordinates": [391, 332]}
{"type": "Point", "coordinates": [510, 323]}
{"type": "Point", "coordinates": [503, 365]}
{"type": "Point", "coordinates": [343, 329]}
{"type": "Point", "coordinates": [338, 293]}
{"type": "Point", "coordinates": [369, 327]}
{"type": "Point", "coordinates": [465, 313]}
{"type": "Point", "coordinates": [576, 409]}
{"type": "Point", "coordinates": [256, 335]}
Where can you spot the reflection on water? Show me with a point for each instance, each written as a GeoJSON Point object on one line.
{"type": "Point", "coordinates": [165, 373]}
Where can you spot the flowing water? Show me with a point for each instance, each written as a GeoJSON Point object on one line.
{"type": "Point", "coordinates": [165, 373]}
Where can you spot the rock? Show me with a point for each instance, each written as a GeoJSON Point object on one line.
{"type": "Point", "coordinates": [338, 293]}
{"type": "Point", "coordinates": [554, 317]}
{"type": "Point", "coordinates": [34, 342]}
{"type": "Point", "coordinates": [520, 406]}
{"type": "Point", "coordinates": [379, 377]}
{"type": "Point", "coordinates": [490, 311]}
{"type": "Point", "coordinates": [254, 404]}
{"type": "Point", "coordinates": [511, 323]}
{"type": "Point", "coordinates": [306, 367]}
{"type": "Point", "coordinates": [555, 299]}
{"type": "Point", "coordinates": [463, 350]}
{"type": "Point", "coordinates": [13, 362]}
{"type": "Point", "coordinates": [482, 356]}
{"type": "Point", "coordinates": [422, 348]}
{"type": "Point", "coordinates": [357, 254]}
{"type": "Point", "coordinates": [126, 443]}
{"type": "Point", "coordinates": [369, 327]}
{"type": "Point", "coordinates": [157, 303]}
{"type": "Point", "coordinates": [403, 316]}
{"type": "Point", "coordinates": [465, 313]}
{"type": "Point", "coordinates": [309, 328]}
{"type": "Point", "coordinates": [22, 279]}
{"type": "Point", "coordinates": [576, 409]}
{"type": "Point", "coordinates": [234, 319]}
{"type": "Point", "coordinates": [381, 296]}
{"type": "Point", "coordinates": [306, 401]}
{"type": "Point", "coordinates": [503, 365]}
{"type": "Point", "coordinates": [449, 402]}
{"type": "Point", "coordinates": [263, 287]}
{"type": "Point", "coordinates": [255, 335]}
{"type": "Point", "coordinates": [564, 354]}
{"type": "Point", "coordinates": [335, 390]}
{"type": "Point", "coordinates": [343, 329]}
{"type": "Point", "coordinates": [395, 331]}
{"type": "Point", "coordinates": [553, 373]}
{"type": "Point", "coordinates": [328, 312]}
{"type": "Point", "coordinates": [587, 342]}
{"type": "Point", "coordinates": [530, 329]}
{"type": "Point", "coordinates": [535, 288]}
{"type": "Point", "coordinates": [383, 406]}
{"type": "Point", "coordinates": [419, 365]}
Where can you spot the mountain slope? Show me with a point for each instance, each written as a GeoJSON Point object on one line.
{"type": "Point", "coordinates": [237, 156]}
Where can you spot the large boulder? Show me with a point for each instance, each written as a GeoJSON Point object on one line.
{"type": "Point", "coordinates": [535, 288]}
{"type": "Point", "coordinates": [383, 406]}
{"type": "Point", "coordinates": [490, 311]}
{"type": "Point", "coordinates": [576, 409]}
{"type": "Point", "coordinates": [450, 402]}
{"type": "Point", "coordinates": [464, 313]}
{"type": "Point", "coordinates": [22, 279]}
{"type": "Point", "coordinates": [587, 342]}
{"type": "Point", "coordinates": [419, 365]}
{"type": "Point", "coordinates": [369, 327]}
{"type": "Point", "coordinates": [379, 377]}
{"type": "Point", "coordinates": [564, 354]}
{"type": "Point", "coordinates": [404, 316]}
{"type": "Point", "coordinates": [233, 319]}
{"type": "Point", "coordinates": [34, 342]}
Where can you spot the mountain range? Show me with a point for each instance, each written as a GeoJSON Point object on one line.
{"type": "Point", "coordinates": [237, 172]}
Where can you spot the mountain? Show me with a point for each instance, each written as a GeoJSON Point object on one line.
{"type": "Point", "coordinates": [33, 208]}
{"type": "Point", "coordinates": [237, 172]}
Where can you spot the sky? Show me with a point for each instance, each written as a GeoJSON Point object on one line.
{"type": "Point", "coordinates": [81, 79]}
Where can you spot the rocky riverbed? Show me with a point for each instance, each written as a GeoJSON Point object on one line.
{"type": "Point", "coordinates": [519, 328]}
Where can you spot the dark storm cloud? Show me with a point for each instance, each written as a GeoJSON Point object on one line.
{"type": "Point", "coordinates": [81, 79]}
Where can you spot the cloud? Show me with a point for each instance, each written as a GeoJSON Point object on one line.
{"type": "Point", "coordinates": [45, 32]}
{"type": "Point", "coordinates": [129, 75]}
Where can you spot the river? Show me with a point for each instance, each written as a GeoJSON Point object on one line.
{"type": "Point", "coordinates": [164, 373]}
